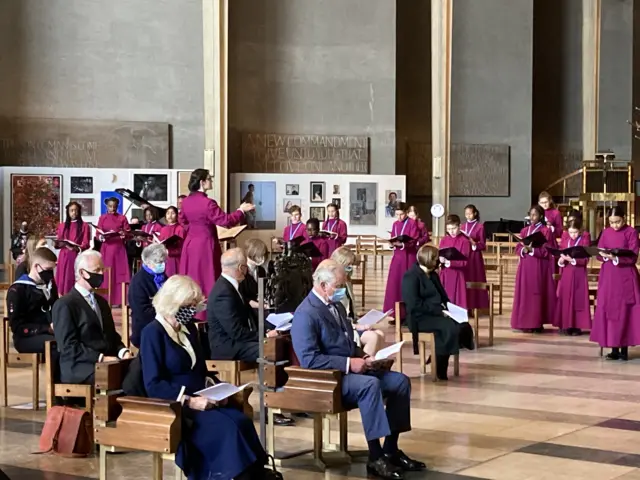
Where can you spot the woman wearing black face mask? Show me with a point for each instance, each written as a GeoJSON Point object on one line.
{"type": "Point", "coordinates": [425, 300]}
{"type": "Point", "coordinates": [29, 302]}
{"type": "Point", "coordinates": [173, 368]}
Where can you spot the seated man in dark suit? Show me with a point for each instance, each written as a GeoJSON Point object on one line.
{"type": "Point", "coordinates": [323, 339]}
{"type": "Point", "coordinates": [143, 287]}
{"type": "Point", "coordinates": [29, 302]}
{"type": "Point", "coordinates": [83, 325]}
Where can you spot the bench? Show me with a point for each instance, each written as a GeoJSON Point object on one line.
{"type": "Point", "coordinates": [423, 339]}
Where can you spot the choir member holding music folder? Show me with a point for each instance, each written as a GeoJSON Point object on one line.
{"type": "Point", "coordinates": [151, 226]}
{"type": "Point", "coordinates": [335, 228]}
{"type": "Point", "coordinates": [172, 236]}
{"type": "Point", "coordinates": [573, 313]}
{"type": "Point", "coordinates": [321, 242]}
{"type": "Point", "coordinates": [474, 231]}
{"type": "Point", "coordinates": [427, 302]}
{"type": "Point", "coordinates": [534, 301]}
{"type": "Point", "coordinates": [616, 322]}
{"type": "Point", "coordinates": [72, 237]}
{"type": "Point", "coordinates": [296, 228]}
{"type": "Point", "coordinates": [112, 230]}
{"type": "Point", "coordinates": [404, 240]}
{"type": "Point", "coordinates": [455, 249]}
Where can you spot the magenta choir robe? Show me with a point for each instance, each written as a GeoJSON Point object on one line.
{"type": "Point", "coordinates": [475, 266]}
{"type": "Point", "coordinates": [572, 303]}
{"type": "Point", "coordinates": [294, 230]}
{"type": "Point", "coordinates": [534, 300]}
{"type": "Point", "coordinates": [554, 217]}
{"type": "Point", "coordinates": [152, 228]}
{"type": "Point", "coordinates": [323, 246]}
{"type": "Point", "coordinates": [201, 251]}
{"type": "Point", "coordinates": [335, 225]}
{"type": "Point", "coordinates": [403, 258]}
{"type": "Point", "coordinates": [65, 274]}
{"type": "Point", "coordinates": [453, 277]}
{"type": "Point", "coordinates": [172, 265]}
{"type": "Point", "coordinates": [424, 237]}
{"type": "Point", "coordinates": [616, 322]}
{"type": "Point", "coordinates": [114, 254]}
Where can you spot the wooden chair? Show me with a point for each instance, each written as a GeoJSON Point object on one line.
{"type": "Point", "coordinates": [126, 318]}
{"type": "Point", "coordinates": [230, 371]}
{"type": "Point", "coordinates": [361, 279]}
{"type": "Point", "coordinates": [423, 339]}
{"type": "Point", "coordinates": [71, 390]}
{"type": "Point", "coordinates": [367, 245]}
{"type": "Point", "coordinates": [8, 358]}
{"type": "Point", "coordinates": [9, 270]}
{"type": "Point", "coordinates": [499, 268]}
{"type": "Point", "coordinates": [106, 292]}
{"type": "Point", "coordinates": [488, 287]}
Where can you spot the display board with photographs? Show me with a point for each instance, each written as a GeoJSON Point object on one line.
{"type": "Point", "coordinates": [363, 203]}
{"type": "Point", "coordinates": [37, 200]}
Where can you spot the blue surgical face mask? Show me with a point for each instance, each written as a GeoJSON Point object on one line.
{"type": "Point", "coordinates": [338, 295]}
{"type": "Point", "coordinates": [159, 268]}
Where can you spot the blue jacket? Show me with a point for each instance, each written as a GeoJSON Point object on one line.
{"type": "Point", "coordinates": [142, 289]}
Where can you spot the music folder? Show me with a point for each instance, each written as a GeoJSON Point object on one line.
{"type": "Point", "coordinates": [171, 241]}
{"type": "Point", "coordinates": [308, 249]}
{"type": "Point", "coordinates": [616, 252]}
{"type": "Point", "coordinates": [452, 254]}
{"type": "Point", "coordinates": [535, 240]}
{"type": "Point", "coordinates": [400, 239]}
{"type": "Point", "coordinates": [228, 234]}
{"type": "Point", "coordinates": [573, 252]}
{"type": "Point", "coordinates": [60, 244]}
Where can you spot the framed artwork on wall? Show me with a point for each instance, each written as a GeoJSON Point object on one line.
{"type": "Point", "coordinates": [107, 195]}
{"type": "Point", "coordinates": [337, 202]}
{"type": "Point", "coordinates": [317, 192]}
{"type": "Point", "coordinates": [87, 205]}
{"type": "Point", "coordinates": [81, 184]}
{"type": "Point", "coordinates": [152, 187]}
{"type": "Point", "coordinates": [317, 212]}
{"type": "Point", "coordinates": [336, 189]}
{"type": "Point", "coordinates": [363, 203]}
{"type": "Point", "coordinates": [392, 197]}
{"type": "Point", "coordinates": [292, 189]}
{"type": "Point", "coordinates": [263, 196]}
{"type": "Point", "coordinates": [37, 200]}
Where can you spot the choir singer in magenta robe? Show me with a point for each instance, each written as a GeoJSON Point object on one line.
{"type": "Point", "coordinates": [114, 253]}
{"type": "Point", "coordinates": [534, 300]}
{"type": "Point", "coordinates": [474, 231]}
{"type": "Point", "coordinates": [168, 230]}
{"type": "Point", "coordinates": [313, 236]}
{"type": "Point", "coordinates": [616, 322]}
{"type": "Point", "coordinates": [453, 272]}
{"type": "Point", "coordinates": [336, 227]}
{"type": "Point", "coordinates": [573, 313]}
{"type": "Point", "coordinates": [404, 255]}
{"type": "Point", "coordinates": [199, 217]}
{"type": "Point", "coordinates": [76, 230]}
{"type": "Point", "coordinates": [424, 237]}
{"type": "Point", "coordinates": [296, 228]}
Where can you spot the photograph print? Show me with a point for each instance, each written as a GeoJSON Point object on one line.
{"type": "Point", "coordinates": [392, 197]}
{"type": "Point", "coordinates": [81, 184]}
{"type": "Point", "coordinates": [317, 192]}
{"type": "Point", "coordinates": [337, 202]}
{"type": "Point", "coordinates": [87, 206]}
{"type": "Point", "coordinates": [287, 203]}
{"type": "Point", "coordinates": [152, 187]}
{"type": "Point", "coordinates": [107, 195]}
{"type": "Point", "coordinates": [263, 196]}
{"type": "Point", "coordinates": [336, 189]}
{"type": "Point", "coordinates": [36, 199]}
{"type": "Point", "coordinates": [363, 203]}
{"type": "Point", "coordinates": [317, 212]}
{"type": "Point", "coordinates": [292, 189]}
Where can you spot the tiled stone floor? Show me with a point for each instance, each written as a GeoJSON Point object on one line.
{"type": "Point", "coordinates": [531, 407]}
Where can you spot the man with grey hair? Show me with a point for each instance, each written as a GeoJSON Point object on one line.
{"type": "Point", "coordinates": [323, 339]}
{"type": "Point", "coordinates": [83, 324]}
{"type": "Point", "coordinates": [143, 287]}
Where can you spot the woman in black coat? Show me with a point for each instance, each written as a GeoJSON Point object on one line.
{"type": "Point", "coordinates": [426, 300]}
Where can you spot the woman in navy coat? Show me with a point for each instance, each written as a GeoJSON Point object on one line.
{"type": "Point", "coordinates": [218, 442]}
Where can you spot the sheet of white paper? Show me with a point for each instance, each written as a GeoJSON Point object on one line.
{"type": "Point", "coordinates": [388, 351]}
{"type": "Point", "coordinates": [279, 319]}
{"type": "Point", "coordinates": [373, 316]}
{"type": "Point", "coordinates": [285, 328]}
{"type": "Point", "coordinates": [219, 392]}
{"type": "Point", "coordinates": [459, 314]}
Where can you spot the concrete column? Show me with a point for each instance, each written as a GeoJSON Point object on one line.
{"type": "Point", "coordinates": [591, 21]}
{"type": "Point", "coordinates": [215, 33]}
{"type": "Point", "coordinates": [441, 34]}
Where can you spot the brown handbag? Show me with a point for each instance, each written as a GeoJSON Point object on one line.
{"type": "Point", "coordinates": [67, 432]}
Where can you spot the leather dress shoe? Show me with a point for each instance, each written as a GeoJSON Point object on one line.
{"type": "Point", "coordinates": [282, 421]}
{"type": "Point", "coordinates": [400, 460]}
{"type": "Point", "coordinates": [382, 468]}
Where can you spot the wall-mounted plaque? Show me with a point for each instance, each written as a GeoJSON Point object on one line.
{"type": "Point", "coordinates": [283, 153]}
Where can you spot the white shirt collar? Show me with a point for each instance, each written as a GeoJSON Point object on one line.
{"type": "Point", "coordinates": [318, 295]}
{"type": "Point", "coordinates": [180, 337]}
{"type": "Point", "coordinates": [83, 291]}
{"type": "Point", "coordinates": [232, 281]}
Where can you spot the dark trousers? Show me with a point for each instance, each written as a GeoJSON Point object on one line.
{"type": "Point", "coordinates": [248, 352]}
{"type": "Point", "coordinates": [35, 344]}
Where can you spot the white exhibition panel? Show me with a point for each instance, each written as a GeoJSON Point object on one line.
{"type": "Point", "coordinates": [384, 184]}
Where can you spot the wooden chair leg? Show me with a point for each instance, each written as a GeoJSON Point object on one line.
{"type": "Point", "coordinates": [103, 462]}
{"type": "Point", "coordinates": [476, 326]}
{"type": "Point", "coordinates": [326, 432]}
{"type": "Point", "coordinates": [157, 466]}
{"type": "Point", "coordinates": [271, 435]}
{"type": "Point", "coordinates": [343, 431]}
{"type": "Point", "coordinates": [434, 362]}
{"type": "Point", "coordinates": [399, 360]}
{"type": "Point", "coordinates": [456, 365]}
{"type": "Point", "coordinates": [3, 364]}
{"type": "Point", "coordinates": [35, 378]}
{"type": "Point", "coordinates": [423, 359]}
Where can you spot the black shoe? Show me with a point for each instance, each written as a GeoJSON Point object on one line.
{"type": "Point", "coordinates": [383, 468]}
{"type": "Point", "coordinates": [282, 421]}
{"type": "Point", "coordinates": [272, 475]}
{"type": "Point", "coordinates": [400, 460]}
{"type": "Point", "coordinates": [624, 354]}
{"type": "Point", "coordinates": [613, 356]}
{"type": "Point", "coordinates": [538, 330]}
{"type": "Point", "coordinates": [302, 415]}
{"type": "Point", "coordinates": [442, 366]}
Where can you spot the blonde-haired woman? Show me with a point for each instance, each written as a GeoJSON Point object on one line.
{"type": "Point", "coordinates": [173, 368]}
{"type": "Point", "coordinates": [33, 243]}
{"type": "Point", "coordinates": [369, 339]}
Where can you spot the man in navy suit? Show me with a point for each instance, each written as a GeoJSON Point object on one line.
{"type": "Point", "coordinates": [323, 339]}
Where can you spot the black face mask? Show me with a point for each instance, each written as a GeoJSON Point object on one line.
{"type": "Point", "coordinates": [46, 276]}
{"type": "Point", "coordinates": [95, 279]}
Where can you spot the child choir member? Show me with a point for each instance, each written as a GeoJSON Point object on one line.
{"type": "Point", "coordinates": [77, 231]}
{"type": "Point", "coordinates": [171, 228]}
{"type": "Point", "coordinates": [573, 313]}
{"type": "Point", "coordinates": [114, 253]}
{"type": "Point", "coordinates": [616, 322]}
{"type": "Point", "coordinates": [453, 272]}
{"type": "Point", "coordinates": [313, 236]}
{"type": "Point", "coordinates": [552, 217]}
{"type": "Point", "coordinates": [336, 227]}
{"type": "Point", "coordinates": [404, 255]}
{"type": "Point", "coordinates": [296, 228]}
{"type": "Point", "coordinates": [151, 226]}
{"type": "Point", "coordinates": [534, 300]}
{"type": "Point", "coordinates": [422, 228]}
{"type": "Point", "coordinates": [474, 231]}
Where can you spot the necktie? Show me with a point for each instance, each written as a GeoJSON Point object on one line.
{"type": "Point", "coordinates": [92, 302]}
